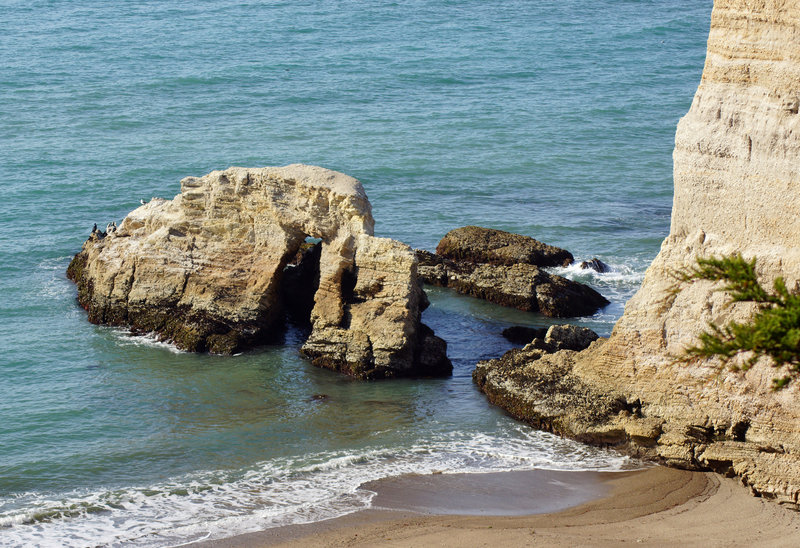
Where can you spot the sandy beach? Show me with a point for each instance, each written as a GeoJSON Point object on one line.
{"type": "Point", "coordinates": [400, 274]}
{"type": "Point", "coordinates": [654, 507]}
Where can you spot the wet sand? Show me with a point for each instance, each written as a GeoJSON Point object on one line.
{"type": "Point", "coordinates": [654, 507]}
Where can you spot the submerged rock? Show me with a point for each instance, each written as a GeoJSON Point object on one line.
{"type": "Point", "coordinates": [206, 271]}
{"type": "Point", "coordinates": [595, 264]}
{"type": "Point", "coordinates": [497, 266]}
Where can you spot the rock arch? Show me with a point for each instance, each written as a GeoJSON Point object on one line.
{"type": "Point", "coordinates": [204, 270]}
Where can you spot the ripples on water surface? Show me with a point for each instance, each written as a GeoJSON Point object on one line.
{"type": "Point", "coordinates": [553, 119]}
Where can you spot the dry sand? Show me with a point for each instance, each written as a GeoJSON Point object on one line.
{"type": "Point", "coordinates": [655, 507]}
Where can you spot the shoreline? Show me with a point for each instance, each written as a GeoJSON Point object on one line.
{"type": "Point", "coordinates": [653, 507]}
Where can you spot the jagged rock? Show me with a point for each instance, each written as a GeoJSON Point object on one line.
{"type": "Point", "coordinates": [546, 395]}
{"type": "Point", "coordinates": [474, 244]}
{"type": "Point", "coordinates": [205, 270]}
{"type": "Point", "coordinates": [569, 337]}
{"type": "Point", "coordinates": [595, 264]}
{"type": "Point", "coordinates": [519, 285]}
{"type": "Point", "coordinates": [736, 190]}
{"type": "Point", "coordinates": [382, 302]}
{"type": "Point", "coordinates": [518, 334]}
{"type": "Point", "coordinates": [555, 337]}
{"type": "Point", "coordinates": [432, 354]}
{"type": "Point", "coordinates": [563, 337]}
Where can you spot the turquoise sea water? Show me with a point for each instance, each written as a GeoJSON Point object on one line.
{"type": "Point", "coordinates": [552, 119]}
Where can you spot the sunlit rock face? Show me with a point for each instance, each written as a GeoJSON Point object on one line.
{"type": "Point", "coordinates": [204, 270]}
{"type": "Point", "coordinates": [737, 189]}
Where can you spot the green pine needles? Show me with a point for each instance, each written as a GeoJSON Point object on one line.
{"type": "Point", "coordinates": [774, 330]}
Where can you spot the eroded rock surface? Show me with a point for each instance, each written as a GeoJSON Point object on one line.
{"type": "Point", "coordinates": [205, 271]}
{"type": "Point", "coordinates": [737, 189]}
{"type": "Point", "coordinates": [546, 394]}
{"type": "Point", "coordinates": [506, 269]}
{"type": "Point", "coordinates": [379, 332]}
{"type": "Point", "coordinates": [475, 244]}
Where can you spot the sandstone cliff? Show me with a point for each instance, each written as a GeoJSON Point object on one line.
{"type": "Point", "coordinates": [737, 189]}
{"type": "Point", "coordinates": [204, 270]}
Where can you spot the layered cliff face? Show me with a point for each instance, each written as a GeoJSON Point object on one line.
{"type": "Point", "coordinates": [205, 269]}
{"type": "Point", "coordinates": [737, 189]}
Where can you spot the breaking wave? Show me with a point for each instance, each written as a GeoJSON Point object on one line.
{"type": "Point", "coordinates": [309, 488]}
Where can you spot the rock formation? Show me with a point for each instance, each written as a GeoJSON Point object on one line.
{"type": "Point", "coordinates": [205, 270]}
{"type": "Point", "coordinates": [519, 334]}
{"type": "Point", "coordinates": [595, 264]}
{"type": "Point", "coordinates": [478, 245]}
{"type": "Point", "coordinates": [737, 189]}
{"type": "Point", "coordinates": [505, 268]}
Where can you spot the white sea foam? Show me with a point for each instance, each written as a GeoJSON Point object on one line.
{"type": "Point", "coordinates": [309, 488]}
{"type": "Point", "coordinates": [51, 280]}
{"type": "Point", "coordinates": [128, 338]}
{"type": "Point", "coordinates": [623, 276]}
{"type": "Point", "coordinates": [617, 286]}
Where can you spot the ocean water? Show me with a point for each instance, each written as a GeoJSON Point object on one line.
{"type": "Point", "coordinates": [552, 119]}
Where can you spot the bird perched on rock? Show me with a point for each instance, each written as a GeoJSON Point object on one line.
{"type": "Point", "coordinates": [94, 229]}
{"type": "Point", "coordinates": [141, 201]}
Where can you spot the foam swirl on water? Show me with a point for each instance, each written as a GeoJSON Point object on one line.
{"type": "Point", "coordinates": [279, 492]}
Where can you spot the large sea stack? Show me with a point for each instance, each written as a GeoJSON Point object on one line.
{"type": "Point", "coordinates": [205, 270]}
{"type": "Point", "coordinates": [737, 190]}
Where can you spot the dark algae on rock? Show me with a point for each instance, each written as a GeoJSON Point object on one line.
{"type": "Point", "coordinates": [545, 394]}
{"type": "Point", "coordinates": [507, 269]}
{"type": "Point", "coordinates": [475, 244]}
{"type": "Point", "coordinates": [221, 266]}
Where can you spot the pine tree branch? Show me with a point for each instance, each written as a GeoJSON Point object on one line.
{"type": "Point", "coordinates": [773, 331]}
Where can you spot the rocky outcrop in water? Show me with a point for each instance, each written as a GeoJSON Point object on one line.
{"type": "Point", "coordinates": [737, 189]}
{"type": "Point", "coordinates": [519, 334]}
{"type": "Point", "coordinates": [595, 264]}
{"type": "Point", "coordinates": [478, 245]}
{"type": "Point", "coordinates": [506, 269]}
{"type": "Point", "coordinates": [546, 394]}
{"type": "Point", "coordinates": [206, 269]}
